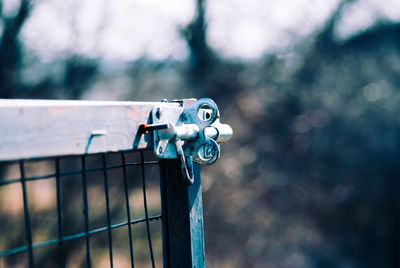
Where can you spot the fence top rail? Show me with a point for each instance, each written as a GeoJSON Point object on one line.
{"type": "Point", "coordinates": [7, 103]}
{"type": "Point", "coordinates": [46, 128]}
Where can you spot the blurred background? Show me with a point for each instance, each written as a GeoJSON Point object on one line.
{"type": "Point", "coordinates": [311, 176]}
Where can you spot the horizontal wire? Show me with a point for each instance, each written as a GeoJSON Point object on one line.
{"type": "Point", "coordinates": [74, 172]}
{"type": "Point", "coordinates": [75, 236]}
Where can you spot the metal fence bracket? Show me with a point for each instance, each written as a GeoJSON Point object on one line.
{"type": "Point", "coordinates": [188, 133]}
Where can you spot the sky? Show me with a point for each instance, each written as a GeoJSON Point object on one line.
{"type": "Point", "coordinates": [125, 30]}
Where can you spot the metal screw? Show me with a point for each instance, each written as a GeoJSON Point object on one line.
{"type": "Point", "coordinates": [160, 150]}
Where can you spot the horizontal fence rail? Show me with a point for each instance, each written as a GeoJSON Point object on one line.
{"type": "Point", "coordinates": [42, 128]}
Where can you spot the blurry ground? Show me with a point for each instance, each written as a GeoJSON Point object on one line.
{"type": "Point", "coordinates": [310, 178]}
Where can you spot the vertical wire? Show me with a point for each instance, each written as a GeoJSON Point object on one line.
{"type": "Point", "coordinates": [145, 208]}
{"type": "Point", "coordinates": [107, 208]}
{"type": "Point", "coordinates": [128, 212]}
{"type": "Point", "coordinates": [28, 226]}
{"type": "Point", "coordinates": [59, 214]}
{"type": "Point", "coordinates": [86, 211]}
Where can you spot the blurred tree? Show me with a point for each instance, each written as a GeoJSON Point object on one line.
{"type": "Point", "coordinates": [79, 73]}
{"type": "Point", "coordinates": [324, 44]}
{"type": "Point", "coordinates": [77, 77]}
{"type": "Point", "coordinates": [10, 49]}
{"type": "Point", "coordinates": [208, 74]}
{"type": "Point", "coordinates": [201, 56]}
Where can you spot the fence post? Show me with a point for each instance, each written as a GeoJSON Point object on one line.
{"type": "Point", "coordinates": [182, 212]}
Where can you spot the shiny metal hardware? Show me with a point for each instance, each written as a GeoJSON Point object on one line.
{"type": "Point", "coordinates": [189, 133]}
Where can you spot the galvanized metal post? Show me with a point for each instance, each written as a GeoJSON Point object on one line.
{"type": "Point", "coordinates": [182, 212]}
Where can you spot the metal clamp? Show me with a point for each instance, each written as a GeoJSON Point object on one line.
{"type": "Point", "coordinates": [188, 133]}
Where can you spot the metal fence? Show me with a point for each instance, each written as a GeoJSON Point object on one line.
{"type": "Point", "coordinates": [84, 184]}
{"type": "Point", "coordinates": [36, 250]}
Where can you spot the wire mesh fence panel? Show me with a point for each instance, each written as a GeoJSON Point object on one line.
{"type": "Point", "coordinates": [92, 210]}
{"type": "Point", "coordinates": [104, 184]}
